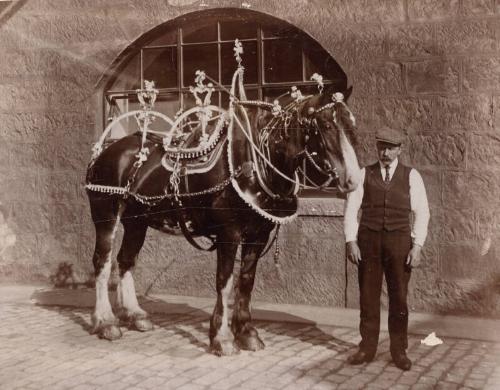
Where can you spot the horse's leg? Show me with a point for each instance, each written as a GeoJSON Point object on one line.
{"type": "Point", "coordinates": [130, 311]}
{"type": "Point", "coordinates": [106, 214]}
{"type": "Point", "coordinates": [245, 335]}
{"type": "Point", "coordinates": [221, 338]}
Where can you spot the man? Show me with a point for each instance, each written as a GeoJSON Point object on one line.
{"type": "Point", "coordinates": [386, 243]}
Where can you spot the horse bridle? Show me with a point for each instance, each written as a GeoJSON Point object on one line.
{"type": "Point", "coordinates": [312, 125]}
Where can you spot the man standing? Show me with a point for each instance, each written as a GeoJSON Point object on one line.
{"type": "Point", "coordinates": [384, 242]}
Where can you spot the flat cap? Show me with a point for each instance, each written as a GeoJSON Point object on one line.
{"type": "Point", "coordinates": [390, 136]}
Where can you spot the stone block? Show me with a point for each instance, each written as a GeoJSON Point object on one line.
{"type": "Point", "coordinates": [59, 186]}
{"type": "Point", "coordinates": [484, 151]}
{"type": "Point", "coordinates": [68, 218]}
{"type": "Point", "coordinates": [28, 94]}
{"type": "Point", "coordinates": [433, 186]}
{"type": "Point", "coordinates": [461, 261]}
{"type": "Point", "coordinates": [445, 150]}
{"type": "Point", "coordinates": [24, 251]}
{"type": "Point", "coordinates": [73, 155]}
{"type": "Point", "coordinates": [455, 225]}
{"type": "Point", "coordinates": [495, 123]}
{"type": "Point", "coordinates": [56, 29]}
{"type": "Point", "coordinates": [471, 113]}
{"type": "Point", "coordinates": [481, 74]}
{"type": "Point", "coordinates": [365, 149]}
{"type": "Point", "coordinates": [410, 114]}
{"type": "Point", "coordinates": [422, 10]}
{"type": "Point", "coordinates": [30, 217]}
{"type": "Point", "coordinates": [411, 40]}
{"type": "Point", "coordinates": [366, 11]}
{"type": "Point", "coordinates": [473, 188]}
{"type": "Point", "coordinates": [477, 7]}
{"type": "Point", "coordinates": [30, 63]}
{"type": "Point", "coordinates": [25, 127]}
{"type": "Point", "coordinates": [56, 252]}
{"type": "Point", "coordinates": [32, 155]}
{"type": "Point", "coordinates": [437, 76]}
{"type": "Point", "coordinates": [365, 43]}
{"type": "Point", "coordinates": [384, 78]}
{"type": "Point", "coordinates": [362, 109]}
{"type": "Point", "coordinates": [19, 184]}
{"type": "Point", "coordinates": [488, 226]}
{"type": "Point", "coordinates": [466, 37]}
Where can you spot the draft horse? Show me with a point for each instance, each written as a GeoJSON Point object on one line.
{"type": "Point", "coordinates": [236, 195]}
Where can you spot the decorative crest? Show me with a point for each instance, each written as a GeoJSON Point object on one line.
{"type": "Point", "coordinates": [338, 97]}
{"type": "Point", "coordinates": [276, 110]}
{"type": "Point", "coordinates": [238, 50]}
{"type": "Point", "coordinates": [202, 88]}
{"type": "Point", "coordinates": [147, 95]}
{"type": "Point", "coordinates": [296, 94]}
{"type": "Point", "coordinates": [319, 79]}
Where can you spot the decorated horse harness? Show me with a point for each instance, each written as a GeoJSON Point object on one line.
{"type": "Point", "coordinates": [197, 138]}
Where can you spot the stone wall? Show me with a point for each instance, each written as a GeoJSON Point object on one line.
{"type": "Point", "coordinates": [427, 66]}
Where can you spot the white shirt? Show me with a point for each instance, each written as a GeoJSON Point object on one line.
{"type": "Point", "coordinates": [418, 203]}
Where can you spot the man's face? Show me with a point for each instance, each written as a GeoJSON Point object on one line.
{"type": "Point", "coordinates": [387, 153]}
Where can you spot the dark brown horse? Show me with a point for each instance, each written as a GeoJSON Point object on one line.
{"type": "Point", "coordinates": [234, 194]}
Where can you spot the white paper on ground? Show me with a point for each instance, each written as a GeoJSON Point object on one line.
{"type": "Point", "coordinates": [431, 340]}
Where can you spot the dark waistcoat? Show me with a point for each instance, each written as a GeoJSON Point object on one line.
{"type": "Point", "coordinates": [386, 206]}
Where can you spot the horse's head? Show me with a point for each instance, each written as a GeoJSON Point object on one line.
{"type": "Point", "coordinates": [330, 133]}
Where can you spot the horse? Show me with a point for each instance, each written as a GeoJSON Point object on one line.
{"type": "Point", "coordinates": [235, 194]}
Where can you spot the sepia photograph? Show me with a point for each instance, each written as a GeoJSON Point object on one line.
{"type": "Point", "coordinates": [259, 194]}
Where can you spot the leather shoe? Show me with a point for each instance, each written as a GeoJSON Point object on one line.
{"type": "Point", "coordinates": [401, 361]}
{"type": "Point", "coordinates": [360, 357]}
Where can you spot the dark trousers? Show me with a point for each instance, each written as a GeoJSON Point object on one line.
{"type": "Point", "coordinates": [383, 253]}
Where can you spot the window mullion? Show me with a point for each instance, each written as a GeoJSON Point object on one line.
{"type": "Point", "coordinates": [180, 67]}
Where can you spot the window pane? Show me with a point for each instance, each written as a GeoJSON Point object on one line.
{"type": "Point", "coordinates": [130, 77]}
{"type": "Point", "coordinates": [198, 32]}
{"type": "Point", "coordinates": [241, 29]}
{"type": "Point", "coordinates": [270, 94]}
{"type": "Point", "coordinates": [200, 57]}
{"type": "Point", "coordinates": [317, 60]}
{"type": "Point", "coordinates": [189, 101]}
{"type": "Point", "coordinates": [282, 61]}
{"type": "Point", "coordinates": [160, 65]}
{"type": "Point", "coordinates": [228, 62]}
{"type": "Point", "coordinates": [252, 94]}
{"type": "Point", "coordinates": [167, 104]}
{"type": "Point", "coordinates": [166, 39]}
{"type": "Point", "coordinates": [279, 31]}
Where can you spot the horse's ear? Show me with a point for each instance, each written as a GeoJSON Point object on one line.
{"type": "Point", "coordinates": [347, 93]}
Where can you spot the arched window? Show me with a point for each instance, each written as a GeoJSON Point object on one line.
{"type": "Point", "coordinates": [277, 56]}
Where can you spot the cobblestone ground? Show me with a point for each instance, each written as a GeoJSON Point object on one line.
{"type": "Point", "coordinates": [49, 347]}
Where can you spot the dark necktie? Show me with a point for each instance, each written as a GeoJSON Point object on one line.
{"type": "Point", "coordinates": [387, 175]}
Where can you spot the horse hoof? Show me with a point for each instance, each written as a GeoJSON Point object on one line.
{"type": "Point", "coordinates": [224, 348]}
{"type": "Point", "coordinates": [142, 325]}
{"type": "Point", "coordinates": [249, 342]}
{"type": "Point", "coordinates": [109, 332]}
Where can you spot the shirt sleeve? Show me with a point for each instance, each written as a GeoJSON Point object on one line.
{"type": "Point", "coordinates": [352, 206]}
{"type": "Point", "coordinates": [419, 207]}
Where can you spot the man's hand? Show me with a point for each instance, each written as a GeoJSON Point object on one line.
{"type": "Point", "coordinates": [353, 252]}
{"type": "Point", "coordinates": [414, 257]}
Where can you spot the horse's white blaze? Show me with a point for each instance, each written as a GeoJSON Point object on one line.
{"type": "Point", "coordinates": [103, 311]}
{"type": "Point", "coordinates": [352, 170]}
{"type": "Point", "coordinates": [127, 297]}
{"type": "Point", "coordinates": [226, 291]}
